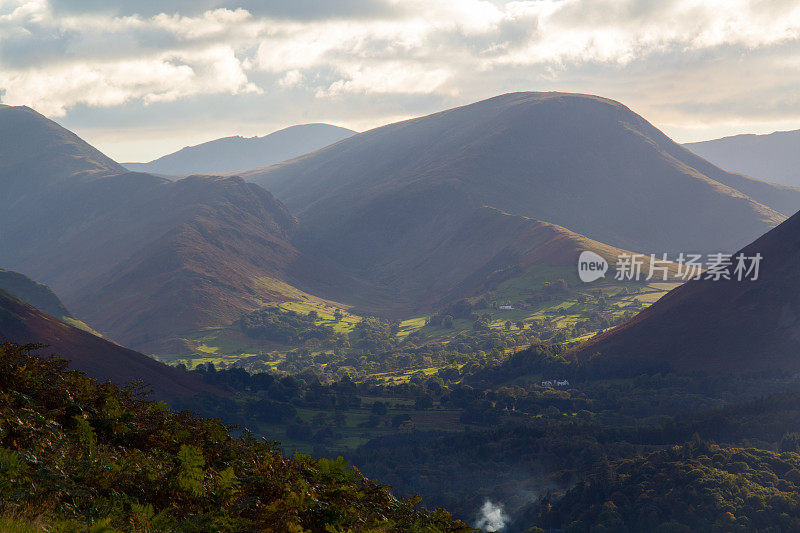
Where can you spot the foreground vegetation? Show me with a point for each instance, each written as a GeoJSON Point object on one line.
{"type": "Point", "coordinates": [555, 444]}
{"type": "Point", "coordinates": [694, 487]}
{"type": "Point", "coordinates": [76, 455]}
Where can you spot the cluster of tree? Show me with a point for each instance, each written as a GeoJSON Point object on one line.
{"type": "Point", "coordinates": [459, 309]}
{"type": "Point", "coordinates": [374, 349]}
{"type": "Point", "coordinates": [280, 325]}
{"type": "Point", "coordinates": [694, 487]}
{"type": "Point", "coordinates": [88, 456]}
{"type": "Point", "coordinates": [373, 335]}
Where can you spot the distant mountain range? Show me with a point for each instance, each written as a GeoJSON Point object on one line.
{"type": "Point", "coordinates": [396, 221]}
{"type": "Point", "coordinates": [137, 256]}
{"type": "Point", "coordinates": [231, 154]}
{"type": "Point", "coordinates": [722, 326]}
{"type": "Point", "coordinates": [774, 157]}
{"type": "Point", "coordinates": [382, 204]}
{"type": "Point", "coordinates": [583, 162]}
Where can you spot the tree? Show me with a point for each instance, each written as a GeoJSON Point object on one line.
{"type": "Point", "coordinates": [423, 402]}
{"type": "Point", "coordinates": [379, 408]}
{"type": "Point", "coordinates": [447, 323]}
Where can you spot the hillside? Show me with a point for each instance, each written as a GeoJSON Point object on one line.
{"type": "Point", "coordinates": [403, 260]}
{"type": "Point", "coordinates": [582, 162]}
{"type": "Point", "coordinates": [78, 456]}
{"type": "Point", "coordinates": [221, 258]}
{"type": "Point", "coordinates": [145, 256]}
{"type": "Point", "coordinates": [231, 154]}
{"type": "Point", "coordinates": [36, 152]}
{"type": "Point", "coordinates": [772, 157]}
{"type": "Point", "coordinates": [154, 263]}
{"type": "Point", "coordinates": [722, 326]}
{"type": "Point", "coordinates": [140, 257]}
{"type": "Point", "coordinates": [99, 358]}
{"type": "Point", "coordinates": [36, 294]}
{"type": "Point", "coordinates": [694, 487]}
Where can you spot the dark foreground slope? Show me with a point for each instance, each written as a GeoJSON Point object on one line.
{"type": "Point", "coordinates": [231, 154]}
{"type": "Point", "coordinates": [722, 326]}
{"type": "Point", "coordinates": [83, 456]}
{"type": "Point", "coordinates": [583, 162]}
{"type": "Point", "coordinates": [99, 358]}
{"type": "Point", "coordinates": [773, 157]}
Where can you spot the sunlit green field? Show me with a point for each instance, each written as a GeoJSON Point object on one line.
{"type": "Point", "coordinates": [226, 345]}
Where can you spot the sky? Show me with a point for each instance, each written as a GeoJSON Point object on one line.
{"type": "Point", "coordinates": [139, 79]}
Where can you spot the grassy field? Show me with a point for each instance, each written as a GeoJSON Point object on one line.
{"type": "Point", "coordinates": [525, 300]}
{"type": "Point", "coordinates": [619, 294]}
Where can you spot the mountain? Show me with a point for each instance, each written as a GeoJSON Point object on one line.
{"type": "Point", "coordinates": [414, 260]}
{"type": "Point", "coordinates": [97, 357]}
{"type": "Point", "coordinates": [403, 208]}
{"type": "Point", "coordinates": [36, 152]}
{"type": "Point", "coordinates": [35, 294]}
{"type": "Point", "coordinates": [141, 258]}
{"type": "Point", "coordinates": [148, 261]}
{"type": "Point", "coordinates": [582, 162]}
{"type": "Point", "coordinates": [774, 157]}
{"type": "Point", "coordinates": [231, 154]}
{"type": "Point", "coordinates": [722, 326]}
{"type": "Point", "coordinates": [397, 221]}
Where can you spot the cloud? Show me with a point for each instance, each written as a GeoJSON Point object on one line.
{"type": "Point", "coordinates": [678, 61]}
{"type": "Point", "coordinates": [110, 61]}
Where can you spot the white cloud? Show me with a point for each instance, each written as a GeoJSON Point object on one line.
{"type": "Point", "coordinates": [387, 78]}
{"type": "Point", "coordinates": [697, 56]}
{"type": "Point", "coordinates": [162, 78]}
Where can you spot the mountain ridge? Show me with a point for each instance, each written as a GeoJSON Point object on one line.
{"type": "Point", "coordinates": [508, 152]}
{"type": "Point", "coordinates": [725, 326]}
{"type": "Point", "coordinates": [209, 241]}
{"type": "Point", "coordinates": [772, 156]}
{"type": "Point", "coordinates": [234, 153]}
{"type": "Point", "coordinates": [36, 294]}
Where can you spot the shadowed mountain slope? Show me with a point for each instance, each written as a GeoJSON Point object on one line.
{"type": "Point", "coordinates": [722, 326]}
{"type": "Point", "coordinates": [99, 358]}
{"type": "Point", "coordinates": [775, 157]}
{"type": "Point", "coordinates": [139, 257]}
{"type": "Point", "coordinates": [582, 162]}
{"type": "Point", "coordinates": [231, 154]}
{"type": "Point", "coordinates": [400, 207]}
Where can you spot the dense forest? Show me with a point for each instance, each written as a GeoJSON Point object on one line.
{"type": "Point", "coordinates": [694, 487]}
